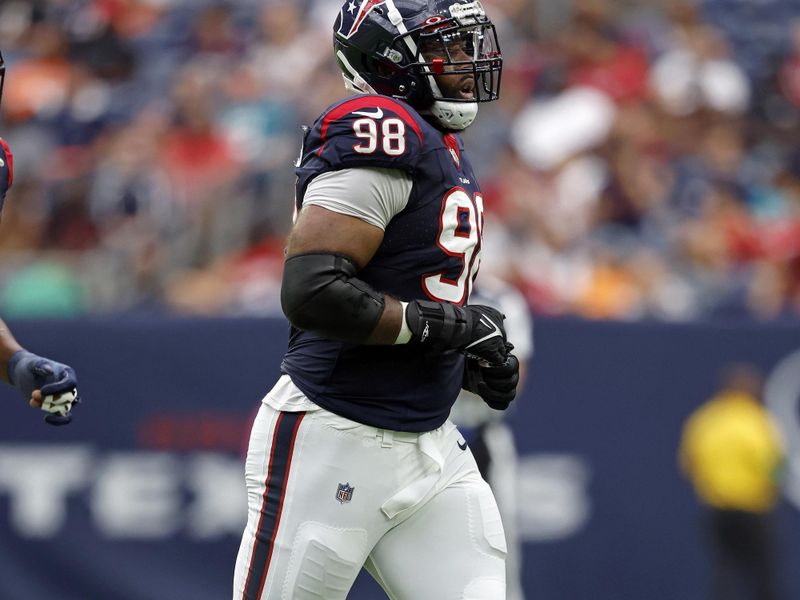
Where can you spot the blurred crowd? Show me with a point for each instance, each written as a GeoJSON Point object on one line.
{"type": "Point", "coordinates": [643, 161]}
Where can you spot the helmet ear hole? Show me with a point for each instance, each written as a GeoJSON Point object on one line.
{"type": "Point", "coordinates": [383, 69]}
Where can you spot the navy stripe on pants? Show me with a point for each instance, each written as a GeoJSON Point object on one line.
{"type": "Point", "coordinates": [280, 461]}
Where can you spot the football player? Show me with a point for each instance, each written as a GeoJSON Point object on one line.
{"type": "Point", "coordinates": [352, 460]}
{"type": "Point", "coordinates": [44, 383]}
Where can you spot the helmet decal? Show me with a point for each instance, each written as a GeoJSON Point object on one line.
{"type": "Point", "coordinates": [353, 16]}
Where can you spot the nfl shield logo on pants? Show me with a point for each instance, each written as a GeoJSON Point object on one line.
{"type": "Point", "coordinates": [344, 492]}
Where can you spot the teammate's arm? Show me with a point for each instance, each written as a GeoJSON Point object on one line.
{"type": "Point", "coordinates": [322, 293]}
{"type": "Point", "coordinates": [8, 346]}
{"type": "Point", "coordinates": [44, 383]}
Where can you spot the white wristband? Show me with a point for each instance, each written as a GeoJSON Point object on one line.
{"type": "Point", "coordinates": [405, 333]}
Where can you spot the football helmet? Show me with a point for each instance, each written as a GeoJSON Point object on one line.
{"type": "Point", "coordinates": [398, 47]}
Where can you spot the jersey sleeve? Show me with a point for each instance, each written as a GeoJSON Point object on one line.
{"type": "Point", "coordinates": [367, 131]}
{"type": "Point", "coordinates": [372, 195]}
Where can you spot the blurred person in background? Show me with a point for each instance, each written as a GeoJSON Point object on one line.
{"type": "Point", "coordinates": [487, 431]}
{"type": "Point", "coordinates": [44, 383]}
{"type": "Point", "coordinates": [620, 128]}
{"type": "Point", "coordinates": [732, 453]}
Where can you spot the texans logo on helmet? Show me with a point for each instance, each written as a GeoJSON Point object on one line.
{"type": "Point", "coordinates": [353, 16]}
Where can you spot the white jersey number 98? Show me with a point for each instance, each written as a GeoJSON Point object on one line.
{"type": "Point", "coordinates": [392, 136]}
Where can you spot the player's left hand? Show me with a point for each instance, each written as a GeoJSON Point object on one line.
{"type": "Point", "coordinates": [46, 384]}
{"type": "Point", "coordinates": [495, 384]}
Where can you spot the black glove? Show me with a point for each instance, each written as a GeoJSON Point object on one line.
{"type": "Point", "coordinates": [476, 330]}
{"type": "Point", "coordinates": [495, 384]}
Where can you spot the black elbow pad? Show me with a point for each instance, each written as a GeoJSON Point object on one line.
{"type": "Point", "coordinates": [321, 294]}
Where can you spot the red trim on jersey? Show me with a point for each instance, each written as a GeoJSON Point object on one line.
{"type": "Point", "coordinates": [365, 103]}
{"type": "Point", "coordinates": [451, 143]}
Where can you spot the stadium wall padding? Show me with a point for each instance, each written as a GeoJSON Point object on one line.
{"type": "Point", "coordinates": [142, 496]}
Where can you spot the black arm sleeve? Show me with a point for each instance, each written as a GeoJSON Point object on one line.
{"type": "Point", "coordinates": [321, 294]}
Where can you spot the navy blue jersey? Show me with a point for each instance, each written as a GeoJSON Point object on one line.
{"type": "Point", "coordinates": [430, 250]}
{"type": "Point", "coordinates": [6, 170]}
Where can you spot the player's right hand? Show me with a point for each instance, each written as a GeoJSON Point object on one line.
{"type": "Point", "coordinates": [6, 170]}
{"type": "Point", "coordinates": [46, 384]}
{"type": "Point", "coordinates": [475, 329]}
{"type": "Point", "coordinates": [495, 384]}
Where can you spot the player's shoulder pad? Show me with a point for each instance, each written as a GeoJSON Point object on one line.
{"type": "Point", "coordinates": [369, 130]}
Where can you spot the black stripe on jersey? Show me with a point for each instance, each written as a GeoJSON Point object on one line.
{"type": "Point", "coordinates": [280, 461]}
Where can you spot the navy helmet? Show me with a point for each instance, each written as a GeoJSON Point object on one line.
{"type": "Point", "coordinates": [397, 47]}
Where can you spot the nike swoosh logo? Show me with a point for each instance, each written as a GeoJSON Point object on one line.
{"type": "Point", "coordinates": [461, 445]}
{"type": "Point", "coordinates": [378, 114]}
{"type": "Point", "coordinates": [495, 333]}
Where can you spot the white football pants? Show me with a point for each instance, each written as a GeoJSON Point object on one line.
{"type": "Point", "coordinates": [327, 496]}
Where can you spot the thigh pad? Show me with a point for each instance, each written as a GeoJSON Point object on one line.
{"type": "Point", "coordinates": [324, 562]}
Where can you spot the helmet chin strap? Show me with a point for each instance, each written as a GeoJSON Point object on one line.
{"type": "Point", "coordinates": [452, 115]}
